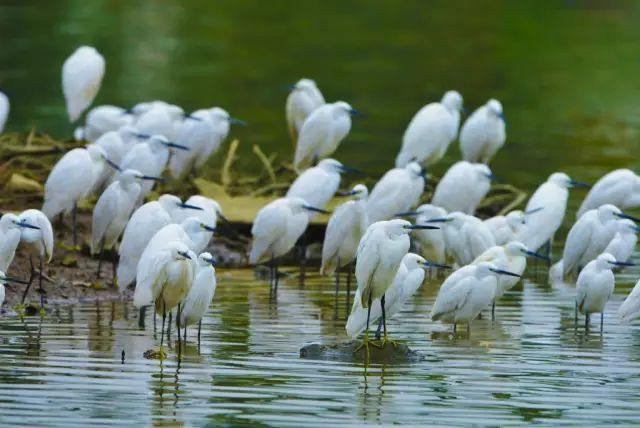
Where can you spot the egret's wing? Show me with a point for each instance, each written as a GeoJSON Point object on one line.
{"type": "Point", "coordinates": [105, 210]}
{"type": "Point", "coordinates": [577, 242]}
{"type": "Point", "coordinates": [368, 258]}
{"type": "Point", "coordinates": [82, 76]}
{"type": "Point", "coordinates": [150, 272]}
{"type": "Point", "coordinates": [314, 131]}
{"type": "Point", "coordinates": [47, 233]}
{"type": "Point", "coordinates": [450, 300]}
{"type": "Point", "coordinates": [386, 196]}
{"type": "Point", "coordinates": [630, 308]}
{"type": "Point", "coordinates": [613, 188]}
{"type": "Point", "coordinates": [341, 224]}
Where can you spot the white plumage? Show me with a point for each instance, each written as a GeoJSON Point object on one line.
{"type": "Point", "coordinates": [620, 188]}
{"type": "Point", "coordinates": [432, 242]}
{"type": "Point", "coordinates": [322, 133]}
{"type": "Point", "coordinates": [10, 231]}
{"type": "Point", "coordinates": [160, 119]}
{"type": "Point", "coordinates": [483, 133]}
{"type": "Point", "coordinates": [37, 240]}
{"type": "Point", "coordinates": [406, 282]}
{"type": "Point", "coordinates": [345, 228]}
{"type": "Point", "coordinates": [145, 222]}
{"type": "Point", "coordinates": [277, 227]}
{"type": "Point", "coordinates": [103, 119]}
{"type": "Point", "coordinates": [4, 110]}
{"type": "Point", "coordinates": [398, 190]}
{"type": "Point", "coordinates": [624, 241]}
{"type": "Point", "coordinates": [589, 236]}
{"type": "Point", "coordinates": [197, 302]}
{"type": "Point", "coordinates": [319, 184]}
{"type": "Point", "coordinates": [466, 237]}
{"type": "Point", "coordinates": [630, 308]}
{"type": "Point", "coordinates": [113, 209]}
{"type": "Point", "coordinates": [506, 228]}
{"type": "Point", "coordinates": [72, 179]}
{"type": "Point", "coordinates": [431, 131]}
{"type": "Point", "coordinates": [552, 197]}
{"type": "Point", "coordinates": [303, 99]}
{"type": "Point", "coordinates": [595, 285]}
{"type": "Point", "coordinates": [116, 144]}
{"type": "Point", "coordinates": [166, 277]}
{"type": "Point", "coordinates": [197, 134]}
{"type": "Point", "coordinates": [463, 187]}
{"type": "Point", "coordinates": [208, 214]}
{"type": "Point", "coordinates": [82, 76]}
{"type": "Point", "coordinates": [221, 122]}
{"type": "Point", "coordinates": [471, 290]}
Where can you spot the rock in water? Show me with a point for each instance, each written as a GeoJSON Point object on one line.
{"type": "Point", "coordinates": [346, 352]}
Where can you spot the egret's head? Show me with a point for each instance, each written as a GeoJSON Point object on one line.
{"type": "Point", "coordinates": [96, 153]}
{"type": "Point", "coordinates": [397, 227]}
{"type": "Point", "coordinates": [627, 226]}
{"type": "Point", "coordinates": [206, 259]}
{"type": "Point", "coordinates": [220, 115]}
{"type": "Point", "coordinates": [331, 165]}
{"type": "Point", "coordinates": [485, 269]}
{"type": "Point", "coordinates": [516, 248]}
{"type": "Point", "coordinates": [299, 205]}
{"type": "Point", "coordinates": [414, 261]}
{"type": "Point", "coordinates": [9, 221]}
{"type": "Point", "coordinates": [563, 180]}
{"type": "Point", "coordinates": [305, 85]}
{"type": "Point", "coordinates": [160, 142]}
{"type": "Point", "coordinates": [483, 172]}
{"type": "Point", "coordinates": [494, 108]}
{"type": "Point", "coordinates": [344, 108]}
{"type": "Point", "coordinates": [607, 261]}
{"type": "Point", "coordinates": [175, 113]}
{"type": "Point", "coordinates": [416, 170]}
{"type": "Point", "coordinates": [515, 218]}
{"type": "Point", "coordinates": [608, 212]}
{"type": "Point", "coordinates": [360, 192]}
{"type": "Point", "coordinates": [452, 100]}
{"type": "Point", "coordinates": [424, 212]}
{"type": "Point", "coordinates": [179, 251]}
{"type": "Point", "coordinates": [128, 134]}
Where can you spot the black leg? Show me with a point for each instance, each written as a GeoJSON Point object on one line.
{"type": "Point", "coordinates": [178, 329]}
{"type": "Point", "coordinates": [154, 321]}
{"type": "Point", "coordinates": [100, 254]}
{"type": "Point", "coordinates": [454, 327]}
{"type": "Point", "coordinates": [586, 321]}
{"type": "Point", "coordinates": [114, 270]}
{"type": "Point", "coordinates": [276, 278]}
{"type": "Point", "coordinates": [468, 327]}
{"type": "Point", "coordinates": [141, 316]}
{"type": "Point", "coordinates": [164, 316]}
{"type": "Point", "coordinates": [60, 225]}
{"type": "Point", "coordinates": [31, 278]}
{"type": "Point", "coordinates": [384, 317]}
{"type": "Point", "coordinates": [41, 289]}
{"type": "Point", "coordinates": [379, 330]}
{"type": "Point", "coordinates": [199, 328]}
{"type": "Point", "coordinates": [601, 321]}
{"type": "Point", "coordinates": [74, 224]}
{"type": "Point", "coordinates": [493, 310]}
{"type": "Point", "coordinates": [366, 331]}
{"type": "Point", "coordinates": [575, 314]}
{"type": "Point", "coordinates": [169, 329]}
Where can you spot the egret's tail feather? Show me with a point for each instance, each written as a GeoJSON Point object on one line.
{"type": "Point", "coordinates": [126, 274]}
{"type": "Point", "coordinates": [258, 250]}
{"type": "Point", "coordinates": [142, 296]}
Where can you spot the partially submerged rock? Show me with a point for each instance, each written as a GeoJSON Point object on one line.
{"type": "Point", "coordinates": [351, 352]}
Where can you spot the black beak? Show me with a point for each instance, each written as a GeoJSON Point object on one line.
{"type": "Point", "coordinates": [436, 265]}
{"type": "Point", "coordinates": [236, 121]}
{"type": "Point", "coordinates": [26, 225]}
{"type": "Point", "coordinates": [439, 220]}
{"type": "Point", "coordinates": [112, 164]}
{"type": "Point", "coordinates": [150, 178]}
{"type": "Point", "coordinates": [314, 209]}
{"type": "Point", "coordinates": [348, 193]}
{"type": "Point", "coordinates": [190, 207]}
{"type": "Point", "coordinates": [354, 112]}
{"type": "Point", "coordinates": [344, 168]}
{"type": "Point", "coordinates": [495, 178]}
{"type": "Point", "coordinates": [421, 227]}
{"type": "Point", "coordinates": [407, 214]}
{"type": "Point", "coordinates": [192, 117]}
{"type": "Point", "coordinates": [574, 183]}
{"type": "Point", "coordinates": [537, 255]}
{"type": "Point", "coordinates": [176, 146]}
{"type": "Point", "coordinates": [185, 255]}
{"type": "Point", "coordinates": [622, 263]}
{"type": "Point", "coordinates": [142, 136]}
{"type": "Point", "coordinates": [208, 228]}
{"type": "Point", "coordinates": [627, 216]}
{"type": "Point", "coordinates": [533, 211]}
{"type": "Point", "coordinates": [505, 272]}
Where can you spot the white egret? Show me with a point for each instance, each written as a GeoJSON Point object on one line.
{"type": "Point", "coordinates": [196, 135]}
{"type": "Point", "coordinates": [103, 119]}
{"type": "Point", "coordinates": [431, 131]}
{"type": "Point", "coordinates": [483, 133]}
{"type": "Point", "coordinates": [4, 110]}
{"type": "Point", "coordinates": [112, 211]}
{"type": "Point", "coordinates": [466, 236]}
{"type": "Point", "coordinates": [82, 76]}
{"type": "Point", "coordinates": [595, 285]}
{"type": "Point", "coordinates": [507, 228]}
{"type": "Point", "coordinates": [144, 223]}
{"type": "Point", "coordinates": [620, 187]}
{"type": "Point", "coordinates": [165, 278]}
{"type": "Point", "coordinates": [275, 230]}
{"type": "Point", "coordinates": [630, 308]}
{"type": "Point", "coordinates": [431, 242]}
{"type": "Point", "coordinates": [398, 190]}
{"type": "Point", "coordinates": [322, 133]}
{"type": "Point", "coordinates": [552, 196]}
{"type": "Point", "coordinates": [408, 279]}
{"type": "Point", "coordinates": [318, 185]}
{"type": "Point", "coordinates": [116, 144]}
{"type": "Point", "coordinates": [222, 121]}
{"type": "Point", "coordinates": [379, 255]}
{"type": "Point", "coordinates": [463, 300]}
{"type": "Point", "coordinates": [10, 232]}
{"type": "Point", "coordinates": [590, 235]}
{"type": "Point", "coordinates": [160, 119]}
{"type": "Point", "coordinates": [624, 241]}
{"type": "Point", "coordinates": [511, 257]}
{"type": "Point", "coordinates": [37, 238]}
{"type": "Point", "coordinates": [303, 99]}
{"type": "Point", "coordinates": [209, 212]}
{"type": "Point", "coordinates": [71, 180]}
{"type": "Point", "coordinates": [463, 187]}
{"type": "Point", "coordinates": [345, 228]}
{"type": "Point", "coordinates": [150, 157]}
{"type": "Point", "coordinates": [201, 293]}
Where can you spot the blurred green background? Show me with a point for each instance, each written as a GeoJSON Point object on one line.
{"type": "Point", "coordinates": [565, 71]}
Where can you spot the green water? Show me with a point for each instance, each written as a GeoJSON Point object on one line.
{"type": "Point", "coordinates": [567, 73]}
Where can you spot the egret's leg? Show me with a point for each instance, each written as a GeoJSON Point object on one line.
{"type": "Point", "coordinates": [384, 320]}
{"type": "Point", "coordinates": [271, 274]}
{"type": "Point", "coordinates": [454, 327]}
{"type": "Point", "coordinates": [40, 288]}
{"type": "Point", "coordinates": [100, 255]}
{"type": "Point", "coordinates": [60, 225]}
{"type": "Point", "coordinates": [74, 224]}
{"type": "Point", "coordinates": [493, 311]}
{"type": "Point", "coordinates": [114, 270]}
{"type": "Point", "coordinates": [575, 314]}
{"type": "Point", "coordinates": [178, 329]}
{"type": "Point", "coordinates": [154, 321]}
{"type": "Point", "coordinates": [141, 316]}
{"type": "Point", "coordinates": [164, 316]}
{"type": "Point", "coordinates": [199, 328]}
{"type": "Point", "coordinates": [169, 329]}
{"type": "Point", "coordinates": [337, 283]}
{"type": "Point", "coordinates": [586, 321]}
{"type": "Point", "coordinates": [349, 269]}
{"type": "Point", "coordinates": [276, 278]}
{"type": "Point", "coordinates": [379, 330]}
{"type": "Point", "coordinates": [184, 336]}
{"type": "Point", "coordinates": [601, 321]}
{"type": "Point", "coordinates": [26, 289]}
{"type": "Point", "coordinates": [469, 327]}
